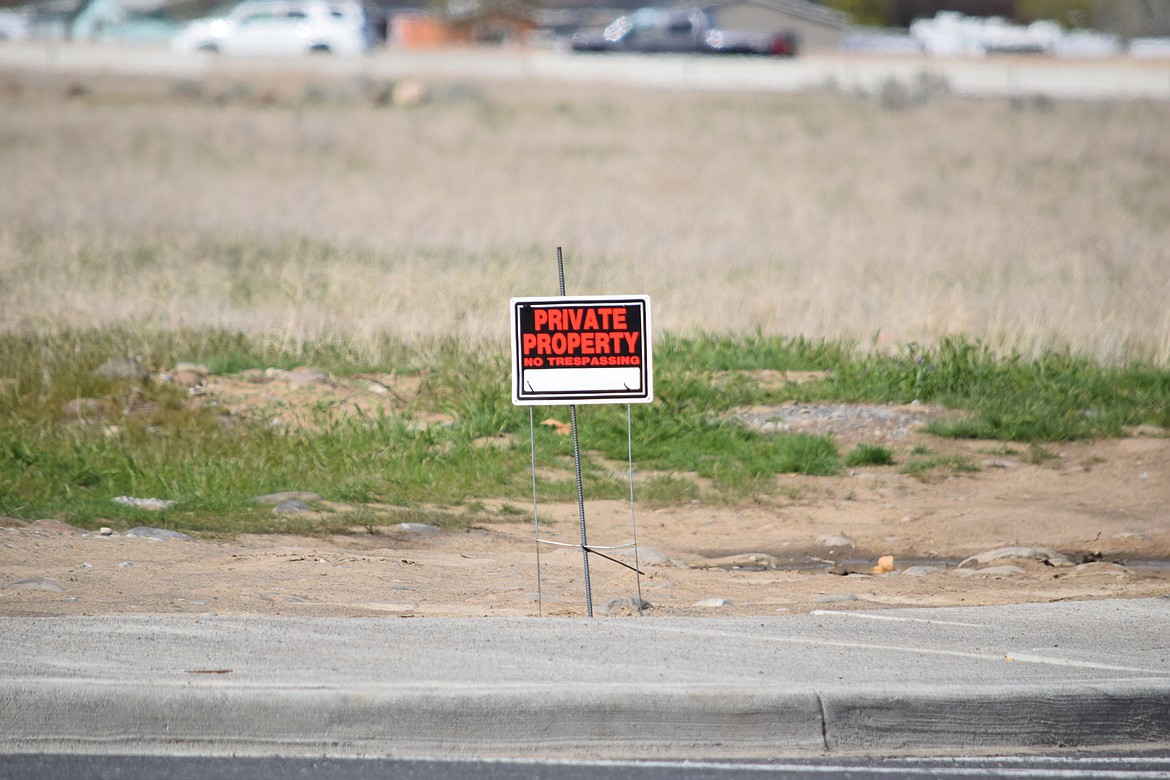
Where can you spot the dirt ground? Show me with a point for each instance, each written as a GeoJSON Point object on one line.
{"type": "Point", "coordinates": [1086, 520]}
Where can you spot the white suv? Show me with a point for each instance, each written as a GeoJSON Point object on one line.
{"type": "Point", "coordinates": [280, 28]}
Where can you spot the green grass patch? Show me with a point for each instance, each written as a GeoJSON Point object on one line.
{"type": "Point", "coordinates": [1058, 397]}
{"type": "Point", "coordinates": [148, 440]}
{"type": "Point", "coordinates": [1039, 455]}
{"type": "Point", "coordinates": [869, 455]}
{"type": "Point", "coordinates": [930, 468]}
{"type": "Point", "coordinates": [669, 490]}
{"type": "Point", "coordinates": [708, 352]}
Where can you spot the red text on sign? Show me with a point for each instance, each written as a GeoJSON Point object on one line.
{"type": "Point", "coordinates": [580, 343]}
{"type": "Point", "coordinates": [590, 318]}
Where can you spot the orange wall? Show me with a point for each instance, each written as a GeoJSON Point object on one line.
{"type": "Point", "coordinates": [415, 31]}
{"type": "Point", "coordinates": [420, 31]}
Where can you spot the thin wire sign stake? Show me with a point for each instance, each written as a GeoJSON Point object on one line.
{"type": "Point", "coordinates": [633, 519]}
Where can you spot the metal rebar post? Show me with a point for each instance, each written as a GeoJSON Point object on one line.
{"type": "Point", "coordinates": [581, 510]}
{"type": "Point", "coordinates": [577, 468]}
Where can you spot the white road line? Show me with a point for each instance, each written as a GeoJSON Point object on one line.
{"type": "Point", "coordinates": [874, 616]}
{"type": "Point", "coordinates": [1040, 759]}
{"type": "Point", "coordinates": [1006, 656]}
{"type": "Point", "coordinates": [835, 768]}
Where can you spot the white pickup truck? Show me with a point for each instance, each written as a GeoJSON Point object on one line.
{"type": "Point", "coordinates": [680, 31]}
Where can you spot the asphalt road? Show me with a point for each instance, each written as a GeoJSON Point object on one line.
{"type": "Point", "coordinates": [1009, 76]}
{"type": "Point", "coordinates": [1113, 766]}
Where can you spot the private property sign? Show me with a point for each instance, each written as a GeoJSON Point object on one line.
{"type": "Point", "coordinates": [587, 349]}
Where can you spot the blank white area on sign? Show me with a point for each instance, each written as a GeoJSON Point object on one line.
{"type": "Point", "coordinates": [589, 380]}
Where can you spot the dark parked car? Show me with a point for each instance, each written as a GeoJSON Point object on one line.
{"type": "Point", "coordinates": [680, 31]}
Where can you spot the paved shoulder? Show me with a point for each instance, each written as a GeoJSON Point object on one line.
{"type": "Point", "coordinates": [1073, 674]}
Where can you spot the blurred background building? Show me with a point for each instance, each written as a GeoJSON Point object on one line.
{"type": "Point", "coordinates": [941, 27]}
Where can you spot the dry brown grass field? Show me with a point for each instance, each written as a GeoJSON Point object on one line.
{"type": "Point", "coordinates": [301, 206]}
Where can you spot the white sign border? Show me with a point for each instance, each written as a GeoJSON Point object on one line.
{"type": "Point", "coordinates": [643, 396]}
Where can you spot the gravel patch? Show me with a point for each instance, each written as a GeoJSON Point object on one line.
{"type": "Point", "coordinates": [881, 422]}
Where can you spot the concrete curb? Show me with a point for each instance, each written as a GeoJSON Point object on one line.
{"type": "Point", "coordinates": [998, 717]}
{"type": "Point", "coordinates": [619, 723]}
{"type": "Point", "coordinates": [500, 722]}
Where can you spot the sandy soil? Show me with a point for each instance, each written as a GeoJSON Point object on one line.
{"type": "Point", "coordinates": [1089, 520]}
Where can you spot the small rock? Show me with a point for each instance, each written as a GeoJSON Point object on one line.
{"type": "Point", "coordinates": [997, 463]}
{"type": "Point", "coordinates": [105, 530]}
{"type": "Point", "coordinates": [416, 528]}
{"type": "Point", "coordinates": [152, 504]}
{"type": "Point", "coordinates": [746, 561]}
{"type": "Point", "coordinates": [991, 571]}
{"type": "Point", "coordinates": [291, 507]}
{"type": "Point", "coordinates": [885, 565]}
{"type": "Point", "coordinates": [126, 565]}
{"type": "Point", "coordinates": [277, 498]}
{"type": "Point", "coordinates": [921, 571]}
{"type": "Point", "coordinates": [713, 603]}
{"type": "Point", "coordinates": [1043, 554]}
{"type": "Point", "coordinates": [158, 534]}
{"type": "Point", "coordinates": [627, 606]}
{"type": "Point", "coordinates": [122, 368]}
{"type": "Point", "coordinates": [839, 598]}
{"type": "Point", "coordinates": [37, 583]}
{"type": "Point", "coordinates": [835, 540]}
